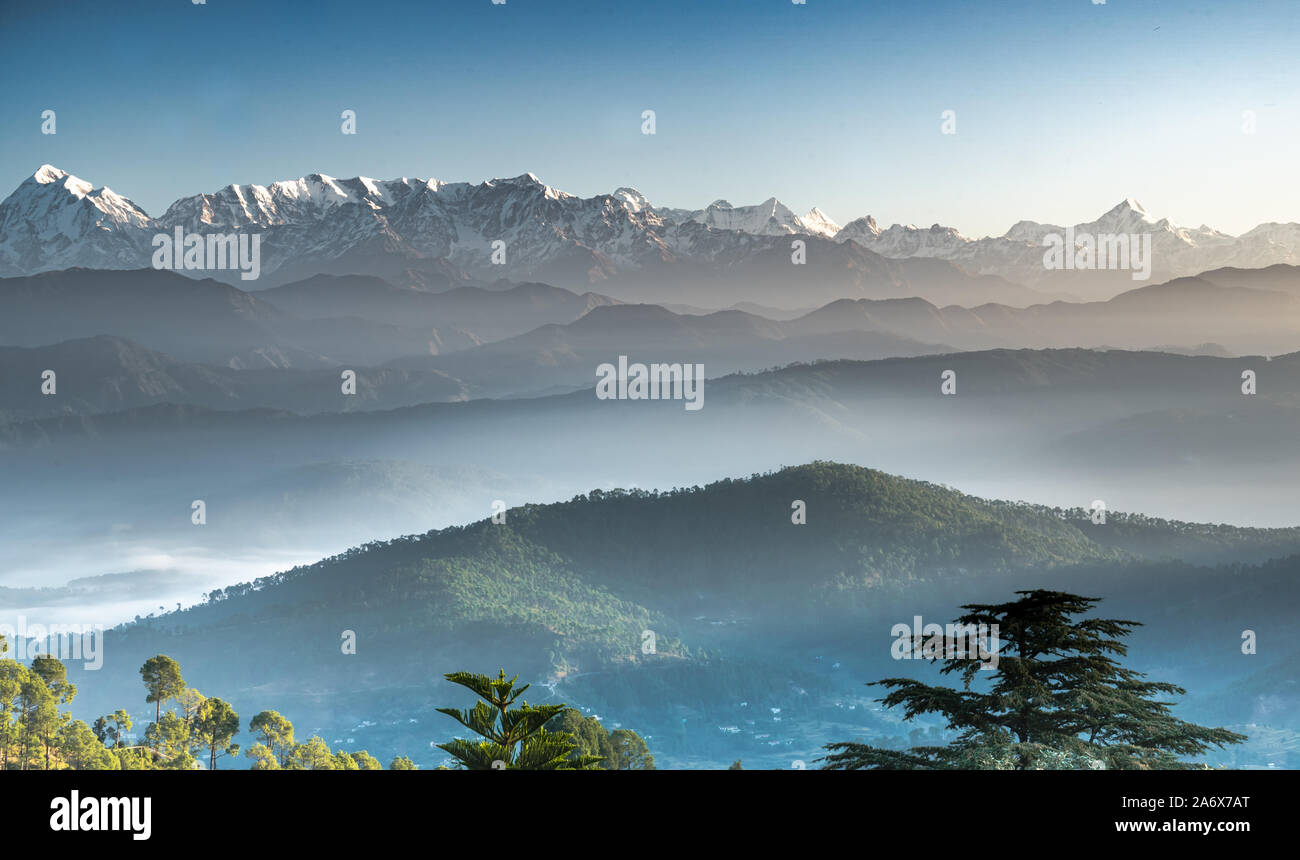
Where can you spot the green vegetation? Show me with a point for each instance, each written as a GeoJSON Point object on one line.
{"type": "Point", "coordinates": [513, 739]}
{"type": "Point", "coordinates": [34, 735]}
{"type": "Point", "coordinates": [577, 582]}
{"type": "Point", "coordinates": [739, 600]}
{"type": "Point", "coordinates": [621, 749]}
{"type": "Point", "coordinates": [162, 678]}
{"type": "Point", "coordinates": [1058, 701]}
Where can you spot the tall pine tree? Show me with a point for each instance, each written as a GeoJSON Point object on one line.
{"type": "Point", "coordinates": [1057, 699]}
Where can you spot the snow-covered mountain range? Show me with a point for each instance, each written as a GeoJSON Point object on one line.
{"type": "Point", "coordinates": [435, 234]}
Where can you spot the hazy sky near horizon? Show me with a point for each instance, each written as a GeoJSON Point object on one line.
{"type": "Point", "coordinates": [1063, 107]}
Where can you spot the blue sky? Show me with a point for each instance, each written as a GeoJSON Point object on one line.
{"type": "Point", "coordinates": [1063, 107]}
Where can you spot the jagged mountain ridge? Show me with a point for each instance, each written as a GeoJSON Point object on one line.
{"type": "Point", "coordinates": [437, 234]}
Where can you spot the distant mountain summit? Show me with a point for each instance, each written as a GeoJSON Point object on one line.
{"type": "Point", "coordinates": [769, 218]}
{"type": "Point", "coordinates": [55, 220]}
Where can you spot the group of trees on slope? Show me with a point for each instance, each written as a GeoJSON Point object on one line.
{"type": "Point", "coordinates": [1057, 698]}
{"type": "Point", "coordinates": [35, 734]}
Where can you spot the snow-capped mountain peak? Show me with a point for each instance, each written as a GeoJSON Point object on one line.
{"type": "Point", "coordinates": [51, 189]}
{"type": "Point", "coordinates": [631, 199]}
{"type": "Point", "coordinates": [819, 223]}
{"type": "Point", "coordinates": [57, 220]}
{"type": "Point", "coordinates": [528, 182]}
{"type": "Point", "coordinates": [48, 174]}
{"type": "Point", "coordinates": [864, 228]}
{"type": "Point", "coordinates": [317, 188]}
{"type": "Point", "coordinates": [522, 179]}
{"type": "Point", "coordinates": [769, 218]}
{"type": "Point", "coordinates": [1130, 204]}
{"type": "Point", "coordinates": [1128, 216]}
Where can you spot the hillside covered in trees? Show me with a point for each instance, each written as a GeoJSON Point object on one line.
{"type": "Point", "coordinates": [671, 609]}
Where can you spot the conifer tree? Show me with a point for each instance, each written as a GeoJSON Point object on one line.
{"type": "Point", "coordinates": [275, 733]}
{"type": "Point", "coordinates": [214, 727]}
{"type": "Point", "coordinates": [162, 679]}
{"type": "Point", "coordinates": [1058, 698]}
{"type": "Point", "coordinates": [514, 739]}
{"type": "Point", "coordinates": [111, 729]}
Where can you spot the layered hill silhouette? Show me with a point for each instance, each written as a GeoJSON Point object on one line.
{"type": "Point", "coordinates": [1153, 431]}
{"type": "Point", "coordinates": [110, 374]}
{"type": "Point", "coordinates": [566, 356]}
{"type": "Point", "coordinates": [490, 314]}
{"type": "Point", "coordinates": [197, 320]}
{"type": "Point", "coordinates": [532, 339]}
